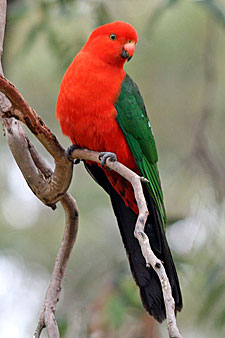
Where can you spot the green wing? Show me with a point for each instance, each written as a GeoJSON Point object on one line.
{"type": "Point", "coordinates": [133, 120]}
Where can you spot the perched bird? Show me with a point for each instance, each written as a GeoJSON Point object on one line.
{"type": "Point", "coordinates": [100, 108]}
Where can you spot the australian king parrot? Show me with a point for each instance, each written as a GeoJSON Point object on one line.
{"type": "Point", "coordinates": [100, 108]}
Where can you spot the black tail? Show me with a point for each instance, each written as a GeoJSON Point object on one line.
{"type": "Point", "coordinates": [146, 278]}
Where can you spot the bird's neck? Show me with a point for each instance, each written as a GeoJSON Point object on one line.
{"type": "Point", "coordinates": [94, 74]}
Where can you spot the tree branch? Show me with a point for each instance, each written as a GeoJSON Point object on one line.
{"type": "Point", "coordinates": [150, 258]}
{"type": "Point", "coordinates": [39, 177]}
{"type": "Point", "coordinates": [48, 186]}
{"type": "Point", "coordinates": [47, 316]}
{"type": "Point", "coordinates": [49, 189]}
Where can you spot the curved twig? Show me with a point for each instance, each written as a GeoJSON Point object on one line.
{"type": "Point", "coordinates": [150, 258]}
{"type": "Point", "coordinates": [47, 316]}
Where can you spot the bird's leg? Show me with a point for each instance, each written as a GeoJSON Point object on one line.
{"type": "Point", "coordinates": [69, 151]}
{"type": "Point", "coordinates": [103, 156]}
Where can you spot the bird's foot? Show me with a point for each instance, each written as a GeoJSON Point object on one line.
{"type": "Point", "coordinates": [69, 151]}
{"type": "Point", "coordinates": [103, 156]}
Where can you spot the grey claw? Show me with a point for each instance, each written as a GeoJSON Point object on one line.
{"type": "Point", "coordinates": [69, 151]}
{"type": "Point", "coordinates": [103, 156]}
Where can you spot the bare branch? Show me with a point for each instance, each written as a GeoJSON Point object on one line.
{"type": "Point", "coordinates": [150, 258]}
{"type": "Point", "coordinates": [38, 175]}
{"type": "Point", "coordinates": [23, 112]}
{"type": "Point", "coordinates": [48, 186]}
{"type": "Point", "coordinates": [47, 316]}
{"type": "Point", "coordinates": [50, 190]}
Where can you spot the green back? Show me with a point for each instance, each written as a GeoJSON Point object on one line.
{"type": "Point", "coordinates": [133, 120]}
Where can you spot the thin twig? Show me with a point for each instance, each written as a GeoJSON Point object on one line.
{"type": "Point", "coordinates": [47, 316]}
{"type": "Point", "coordinates": [150, 258]}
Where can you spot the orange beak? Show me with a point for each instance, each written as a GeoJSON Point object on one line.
{"type": "Point", "coordinates": [128, 50]}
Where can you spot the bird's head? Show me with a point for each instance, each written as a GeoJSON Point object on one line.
{"type": "Point", "coordinates": [114, 42]}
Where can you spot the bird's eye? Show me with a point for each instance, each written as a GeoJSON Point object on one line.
{"type": "Point", "coordinates": [112, 36]}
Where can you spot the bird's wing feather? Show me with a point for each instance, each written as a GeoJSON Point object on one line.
{"type": "Point", "coordinates": [133, 120]}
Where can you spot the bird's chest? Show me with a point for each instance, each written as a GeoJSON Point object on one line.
{"type": "Point", "coordinates": [90, 118]}
{"type": "Point", "coordinates": [95, 130]}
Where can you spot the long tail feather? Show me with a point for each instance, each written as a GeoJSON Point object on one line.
{"type": "Point", "coordinates": [146, 278]}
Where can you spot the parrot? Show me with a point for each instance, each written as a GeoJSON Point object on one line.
{"type": "Point", "coordinates": [100, 108]}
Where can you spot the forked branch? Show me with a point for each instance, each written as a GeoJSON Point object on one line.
{"type": "Point", "coordinates": [47, 185]}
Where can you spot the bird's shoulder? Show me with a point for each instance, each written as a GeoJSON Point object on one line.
{"type": "Point", "coordinates": [133, 119]}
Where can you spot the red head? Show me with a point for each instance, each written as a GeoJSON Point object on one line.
{"type": "Point", "coordinates": [114, 42]}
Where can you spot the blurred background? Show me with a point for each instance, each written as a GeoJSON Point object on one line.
{"type": "Point", "coordinates": [179, 66]}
